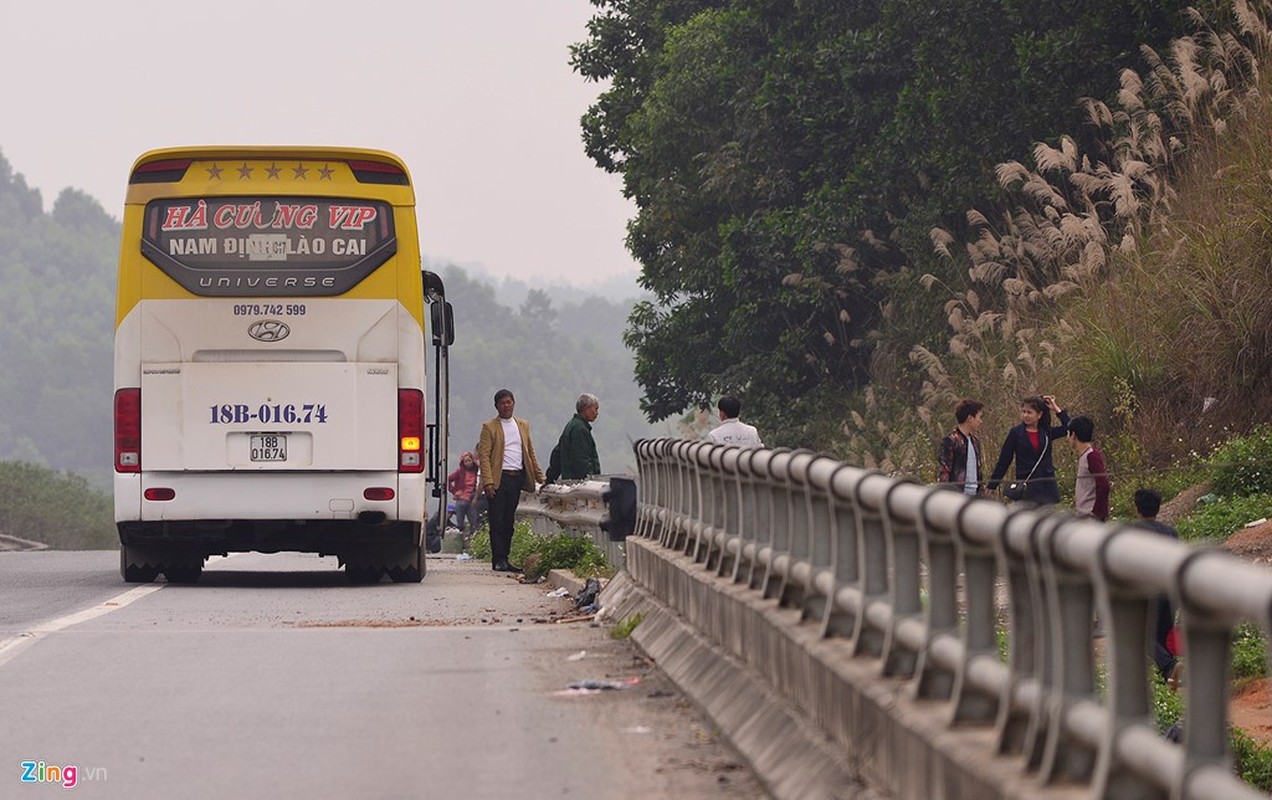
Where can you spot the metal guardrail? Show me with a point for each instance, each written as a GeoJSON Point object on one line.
{"type": "Point", "coordinates": [577, 507]}
{"type": "Point", "coordinates": [8, 542]}
{"type": "Point", "coordinates": [908, 575]}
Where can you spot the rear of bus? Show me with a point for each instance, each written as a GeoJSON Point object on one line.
{"type": "Point", "coordinates": [269, 361]}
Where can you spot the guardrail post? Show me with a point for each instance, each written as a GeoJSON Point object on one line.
{"type": "Point", "coordinates": [980, 574]}
{"type": "Point", "coordinates": [1017, 729]}
{"type": "Point", "coordinates": [1129, 621]}
{"type": "Point", "coordinates": [941, 557]}
{"type": "Point", "coordinates": [713, 505]}
{"type": "Point", "coordinates": [779, 522]}
{"type": "Point", "coordinates": [794, 591]}
{"type": "Point", "coordinates": [1208, 646]}
{"type": "Point", "coordinates": [820, 510]}
{"type": "Point", "coordinates": [686, 487]}
{"type": "Point", "coordinates": [761, 546]}
{"type": "Point", "coordinates": [1072, 615]}
{"type": "Point", "coordinates": [647, 476]}
{"type": "Point", "coordinates": [840, 620]}
{"type": "Point", "coordinates": [731, 512]}
{"type": "Point", "coordinates": [904, 596]}
{"type": "Point", "coordinates": [753, 517]}
{"type": "Point", "coordinates": [697, 453]}
{"type": "Point", "coordinates": [868, 501]}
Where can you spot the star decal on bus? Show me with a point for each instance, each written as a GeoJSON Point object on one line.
{"type": "Point", "coordinates": [245, 172]}
{"type": "Point", "coordinates": [273, 169]}
{"type": "Point", "coordinates": [324, 174]}
{"type": "Point", "coordinates": [214, 173]}
{"type": "Point", "coordinates": [299, 172]}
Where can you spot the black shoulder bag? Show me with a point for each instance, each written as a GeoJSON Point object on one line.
{"type": "Point", "coordinates": [1019, 490]}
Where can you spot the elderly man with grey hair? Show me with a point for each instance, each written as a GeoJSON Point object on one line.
{"type": "Point", "coordinates": [574, 457]}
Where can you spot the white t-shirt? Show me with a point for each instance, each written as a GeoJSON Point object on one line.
{"type": "Point", "coordinates": [512, 444]}
{"type": "Point", "coordinates": [735, 432]}
{"type": "Point", "coordinates": [969, 485]}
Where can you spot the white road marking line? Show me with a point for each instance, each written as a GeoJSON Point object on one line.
{"type": "Point", "coordinates": [13, 645]}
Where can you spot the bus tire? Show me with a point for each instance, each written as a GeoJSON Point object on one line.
{"type": "Point", "coordinates": [183, 571]}
{"type": "Point", "coordinates": [362, 573]}
{"type": "Point", "coordinates": [133, 572]}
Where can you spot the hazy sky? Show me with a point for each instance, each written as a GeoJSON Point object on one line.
{"type": "Point", "coordinates": [476, 95]}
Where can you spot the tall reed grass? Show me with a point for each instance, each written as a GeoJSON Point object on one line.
{"type": "Point", "coordinates": [1126, 271]}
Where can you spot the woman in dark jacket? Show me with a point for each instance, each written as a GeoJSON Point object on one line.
{"type": "Point", "coordinates": [1030, 444]}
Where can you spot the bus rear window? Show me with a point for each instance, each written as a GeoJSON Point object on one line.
{"type": "Point", "coordinates": [239, 246]}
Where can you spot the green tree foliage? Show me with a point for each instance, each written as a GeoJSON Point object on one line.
{"type": "Point", "coordinates": [788, 160]}
{"type": "Point", "coordinates": [59, 509]}
{"type": "Point", "coordinates": [58, 302]}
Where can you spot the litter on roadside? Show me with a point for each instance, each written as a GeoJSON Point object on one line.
{"type": "Point", "coordinates": [575, 692]}
{"type": "Point", "coordinates": [587, 596]}
{"type": "Point", "coordinates": [579, 656]}
{"type": "Point", "coordinates": [463, 557]}
{"type": "Point", "coordinates": [561, 592]}
{"type": "Point", "coordinates": [595, 684]}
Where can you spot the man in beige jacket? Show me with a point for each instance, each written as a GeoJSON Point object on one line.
{"type": "Point", "coordinates": [508, 465]}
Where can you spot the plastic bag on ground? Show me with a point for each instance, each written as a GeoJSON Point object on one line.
{"type": "Point", "coordinates": [587, 596]}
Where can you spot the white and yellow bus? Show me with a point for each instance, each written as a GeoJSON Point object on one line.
{"type": "Point", "coordinates": [270, 376]}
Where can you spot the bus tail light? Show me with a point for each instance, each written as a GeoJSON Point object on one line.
{"type": "Point", "coordinates": [159, 493]}
{"type": "Point", "coordinates": [378, 493]}
{"type": "Point", "coordinates": [169, 171]}
{"type": "Point", "coordinates": [378, 172]}
{"type": "Point", "coordinates": [128, 430]}
{"type": "Point", "coordinates": [410, 430]}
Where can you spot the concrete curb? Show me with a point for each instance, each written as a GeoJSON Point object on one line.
{"type": "Point", "coordinates": [566, 578]}
{"type": "Point", "coordinates": [790, 756]}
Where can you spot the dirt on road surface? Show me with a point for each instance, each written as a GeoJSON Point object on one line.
{"type": "Point", "coordinates": [623, 693]}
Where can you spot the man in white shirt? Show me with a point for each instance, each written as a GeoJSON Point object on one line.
{"type": "Point", "coordinates": [732, 430]}
{"type": "Point", "coordinates": [508, 464]}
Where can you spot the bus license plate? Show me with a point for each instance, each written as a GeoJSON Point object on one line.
{"type": "Point", "coordinates": [269, 447]}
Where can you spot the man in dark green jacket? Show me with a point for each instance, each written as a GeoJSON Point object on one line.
{"type": "Point", "coordinates": [574, 457]}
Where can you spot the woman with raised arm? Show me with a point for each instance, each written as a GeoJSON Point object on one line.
{"type": "Point", "coordinates": [1029, 444]}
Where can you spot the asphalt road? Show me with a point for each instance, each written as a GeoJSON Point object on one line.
{"type": "Point", "coordinates": [274, 677]}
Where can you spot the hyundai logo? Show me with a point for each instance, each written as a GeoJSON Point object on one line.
{"type": "Point", "coordinates": [268, 330]}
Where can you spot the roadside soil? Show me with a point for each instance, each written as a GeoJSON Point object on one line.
{"type": "Point", "coordinates": [1250, 707]}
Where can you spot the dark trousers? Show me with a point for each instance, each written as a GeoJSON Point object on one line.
{"type": "Point", "coordinates": [1161, 629]}
{"type": "Point", "coordinates": [503, 508]}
